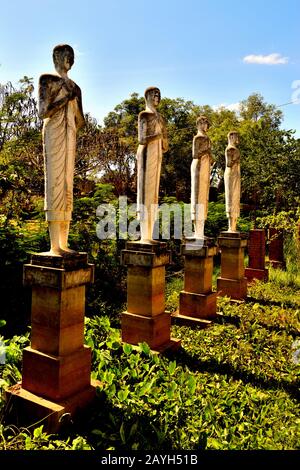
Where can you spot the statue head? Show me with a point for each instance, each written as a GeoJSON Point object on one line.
{"type": "Point", "coordinates": [152, 96]}
{"type": "Point", "coordinates": [202, 123]}
{"type": "Point", "coordinates": [63, 57]}
{"type": "Point", "coordinates": [233, 138]}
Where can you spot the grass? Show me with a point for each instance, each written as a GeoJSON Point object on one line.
{"type": "Point", "coordinates": [234, 385]}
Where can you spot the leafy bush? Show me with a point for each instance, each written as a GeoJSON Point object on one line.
{"type": "Point", "coordinates": [234, 385]}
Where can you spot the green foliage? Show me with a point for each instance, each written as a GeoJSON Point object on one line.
{"type": "Point", "coordinates": [12, 438]}
{"type": "Point", "coordinates": [282, 220]}
{"type": "Point", "coordinates": [173, 287]}
{"type": "Point", "coordinates": [10, 371]}
{"type": "Point", "coordinates": [234, 385]}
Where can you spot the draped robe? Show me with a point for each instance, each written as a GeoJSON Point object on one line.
{"type": "Point", "coordinates": [59, 147]}
{"type": "Point", "coordinates": [153, 142]}
{"type": "Point", "coordinates": [200, 177]}
{"type": "Point", "coordinates": [232, 180]}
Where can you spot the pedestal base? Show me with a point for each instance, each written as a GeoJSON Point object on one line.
{"type": "Point", "coordinates": [197, 302]}
{"type": "Point", "coordinates": [260, 274]}
{"type": "Point", "coordinates": [198, 305]}
{"type": "Point", "coordinates": [154, 331]}
{"type": "Point", "coordinates": [56, 371]}
{"type": "Point", "coordinates": [234, 288]}
{"type": "Point", "coordinates": [27, 409]}
{"type": "Point", "coordinates": [232, 282]}
{"type": "Point", "coordinates": [56, 377]}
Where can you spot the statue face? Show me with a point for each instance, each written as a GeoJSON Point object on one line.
{"type": "Point", "coordinates": [153, 97]}
{"type": "Point", "coordinates": [63, 61]}
{"type": "Point", "coordinates": [234, 139]}
{"type": "Point", "coordinates": [203, 126]}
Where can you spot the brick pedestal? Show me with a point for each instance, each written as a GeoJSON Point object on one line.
{"type": "Point", "coordinates": [257, 252]}
{"type": "Point", "coordinates": [197, 302]}
{"type": "Point", "coordinates": [57, 366]}
{"type": "Point", "coordinates": [276, 256]}
{"type": "Point", "coordinates": [232, 282]}
{"type": "Point", "coordinates": [145, 318]}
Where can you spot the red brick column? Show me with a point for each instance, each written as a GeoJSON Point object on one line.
{"type": "Point", "coordinates": [276, 248]}
{"type": "Point", "coordinates": [257, 253]}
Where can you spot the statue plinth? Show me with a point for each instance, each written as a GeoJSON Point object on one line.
{"type": "Point", "coordinates": [146, 319]}
{"type": "Point", "coordinates": [57, 365]}
{"type": "Point", "coordinates": [257, 252]}
{"type": "Point", "coordinates": [197, 302]}
{"type": "Point", "coordinates": [232, 282]}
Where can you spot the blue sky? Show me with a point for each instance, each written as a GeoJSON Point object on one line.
{"type": "Point", "coordinates": [212, 52]}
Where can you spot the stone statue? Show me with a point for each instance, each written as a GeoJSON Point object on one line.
{"type": "Point", "coordinates": [232, 179]}
{"type": "Point", "coordinates": [200, 176]}
{"type": "Point", "coordinates": [153, 143]}
{"type": "Point", "coordinates": [60, 107]}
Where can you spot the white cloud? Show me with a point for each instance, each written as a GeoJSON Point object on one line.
{"type": "Point", "coordinates": [234, 106]}
{"type": "Point", "coordinates": [230, 107]}
{"type": "Point", "coordinates": [271, 59]}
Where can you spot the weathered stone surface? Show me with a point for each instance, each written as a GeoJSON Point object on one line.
{"type": "Point", "coordinates": [232, 282]}
{"type": "Point", "coordinates": [260, 274]}
{"type": "Point", "coordinates": [198, 305]}
{"type": "Point", "coordinates": [68, 262]}
{"type": "Point", "coordinates": [276, 256]}
{"type": "Point", "coordinates": [146, 290]}
{"type": "Point", "coordinates": [232, 180]}
{"type": "Point", "coordinates": [197, 299]}
{"type": "Point", "coordinates": [151, 246]}
{"type": "Point", "coordinates": [198, 273]}
{"type": "Point", "coordinates": [27, 408]}
{"type": "Point", "coordinates": [232, 263]}
{"type": "Point", "coordinates": [145, 318]}
{"type": "Point", "coordinates": [257, 252]}
{"type": "Point", "coordinates": [190, 248]}
{"type": "Point", "coordinates": [240, 235]}
{"type": "Point", "coordinates": [234, 288]}
{"type": "Point", "coordinates": [56, 377]}
{"type": "Point", "coordinates": [57, 366]}
{"type": "Point", "coordinates": [200, 176]}
{"type": "Point", "coordinates": [144, 259]}
{"type": "Point", "coordinates": [153, 142]}
{"type": "Point", "coordinates": [60, 106]}
{"type": "Point", "coordinates": [226, 242]}
{"type": "Point", "coordinates": [257, 249]}
{"type": "Point", "coordinates": [57, 278]}
{"type": "Point", "coordinates": [153, 330]}
{"type": "Point", "coordinates": [57, 320]}
{"type": "Point", "coordinates": [148, 255]}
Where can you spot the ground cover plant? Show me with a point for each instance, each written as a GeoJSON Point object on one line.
{"type": "Point", "coordinates": [234, 385]}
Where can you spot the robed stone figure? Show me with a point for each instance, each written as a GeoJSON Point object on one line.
{"type": "Point", "coordinates": [232, 180]}
{"type": "Point", "coordinates": [60, 106]}
{"type": "Point", "coordinates": [200, 176]}
{"type": "Point", "coordinates": [153, 142]}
